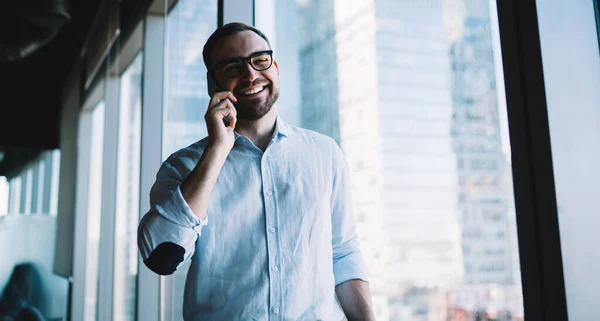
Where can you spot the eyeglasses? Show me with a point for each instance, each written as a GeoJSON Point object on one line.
{"type": "Point", "coordinates": [261, 60]}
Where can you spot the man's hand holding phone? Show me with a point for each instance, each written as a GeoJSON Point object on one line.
{"type": "Point", "coordinates": [220, 106]}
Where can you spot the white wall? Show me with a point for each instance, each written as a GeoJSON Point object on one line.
{"type": "Point", "coordinates": [30, 238]}
{"type": "Point", "coordinates": [572, 78]}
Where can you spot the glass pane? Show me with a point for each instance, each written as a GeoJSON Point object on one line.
{"type": "Point", "coordinates": [571, 58]}
{"type": "Point", "coordinates": [54, 182]}
{"type": "Point", "coordinates": [28, 191]}
{"type": "Point", "coordinates": [413, 93]}
{"type": "Point", "coordinates": [14, 195]}
{"type": "Point", "coordinates": [39, 199]}
{"type": "Point", "coordinates": [3, 196]}
{"type": "Point", "coordinates": [189, 24]}
{"type": "Point", "coordinates": [94, 214]}
{"type": "Point", "coordinates": [128, 185]}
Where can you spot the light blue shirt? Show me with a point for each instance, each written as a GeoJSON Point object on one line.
{"type": "Point", "coordinates": [279, 234]}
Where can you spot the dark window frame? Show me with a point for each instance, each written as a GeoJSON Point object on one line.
{"type": "Point", "coordinates": [533, 176]}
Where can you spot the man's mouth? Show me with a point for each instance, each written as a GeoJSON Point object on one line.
{"type": "Point", "coordinates": [253, 91]}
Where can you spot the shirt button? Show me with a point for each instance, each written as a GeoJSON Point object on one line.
{"type": "Point", "coordinates": [275, 310]}
{"type": "Point", "coordinates": [275, 269]}
{"type": "Point", "coordinates": [269, 192]}
{"type": "Point", "coordinates": [272, 230]}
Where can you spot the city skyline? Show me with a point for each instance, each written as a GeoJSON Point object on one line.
{"type": "Point", "coordinates": [400, 129]}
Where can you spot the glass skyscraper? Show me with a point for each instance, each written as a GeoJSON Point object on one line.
{"type": "Point", "coordinates": [408, 90]}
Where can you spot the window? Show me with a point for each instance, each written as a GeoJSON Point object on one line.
{"type": "Point", "coordinates": [55, 157]}
{"type": "Point", "coordinates": [571, 60]}
{"type": "Point", "coordinates": [14, 195]}
{"type": "Point", "coordinates": [414, 139]}
{"type": "Point", "coordinates": [39, 186]}
{"type": "Point", "coordinates": [128, 185]}
{"type": "Point", "coordinates": [28, 191]}
{"type": "Point", "coordinates": [89, 204]}
{"type": "Point", "coordinates": [3, 196]}
{"type": "Point", "coordinates": [189, 24]}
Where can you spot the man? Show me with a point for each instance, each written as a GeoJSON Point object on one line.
{"type": "Point", "coordinates": [262, 208]}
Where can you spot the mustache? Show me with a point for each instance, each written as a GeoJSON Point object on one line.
{"type": "Point", "coordinates": [248, 84]}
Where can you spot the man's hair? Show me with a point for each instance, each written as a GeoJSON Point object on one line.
{"type": "Point", "coordinates": [227, 30]}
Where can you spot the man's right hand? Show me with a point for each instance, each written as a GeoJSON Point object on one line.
{"type": "Point", "coordinates": [219, 107]}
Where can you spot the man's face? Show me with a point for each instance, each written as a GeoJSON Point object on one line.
{"type": "Point", "coordinates": [250, 105]}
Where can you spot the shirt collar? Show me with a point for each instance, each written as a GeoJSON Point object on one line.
{"type": "Point", "coordinates": [281, 128]}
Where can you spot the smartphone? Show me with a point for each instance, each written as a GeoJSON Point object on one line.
{"type": "Point", "coordinates": [213, 88]}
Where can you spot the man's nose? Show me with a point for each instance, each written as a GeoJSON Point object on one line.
{"type": "Point", "coordinates": [250, 73]}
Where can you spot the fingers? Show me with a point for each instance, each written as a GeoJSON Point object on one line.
{"type": "Point", "coordinates": [224, 109]}
{"type": "Point", "coordinates": [220, 96]}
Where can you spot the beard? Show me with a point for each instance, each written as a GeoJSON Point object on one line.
{"type": "Point", "coordinates": [256, 109]}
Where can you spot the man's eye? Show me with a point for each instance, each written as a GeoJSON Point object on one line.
{"type": "Point", "coordinates": [261, 61]}
{"type": "Point", "coordinates": [231, 68]}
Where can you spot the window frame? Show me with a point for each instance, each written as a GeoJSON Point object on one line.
{"type": "Point", "coordinates": [541, 262]}
{"type": "Point", "coordinates": [84, 138]}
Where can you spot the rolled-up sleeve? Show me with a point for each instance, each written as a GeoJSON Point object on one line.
{"type": "Point", "coordinates": [168, 232]}
{"type": "Point", "coordinates": [348, 262]}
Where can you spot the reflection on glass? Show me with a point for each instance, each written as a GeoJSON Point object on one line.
{"type": "Point", "coordinates": [411, 90]}
{"type": "Point", "coordinates": [128, 184]}
{"type": "Point", "coordinates": [189, 25]}
{"type": "Point", "coordinates": [93, 214]}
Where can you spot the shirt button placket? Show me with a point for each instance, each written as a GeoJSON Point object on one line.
{"type": "Point", "coordinates": [271, 239]}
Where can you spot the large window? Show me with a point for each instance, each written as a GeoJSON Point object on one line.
{"type": "Point", "coordinates": [35, 189]}
{"type": "Point", "coordinates": [189, 24]}
{"type": "Point", "coordinates": [128, 185]}
{"type": "Point", "coordinates": [571, 57]}
{"type": "Point", "coordinates": [93, 136]}
{"type": "Point", "coordinates": [413, 93]}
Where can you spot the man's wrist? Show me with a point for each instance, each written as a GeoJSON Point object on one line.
{"type": "Point", "coordinates": [218, 149]}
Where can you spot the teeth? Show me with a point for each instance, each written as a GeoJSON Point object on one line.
{"type": "Point", "coordinates": [253, 91]}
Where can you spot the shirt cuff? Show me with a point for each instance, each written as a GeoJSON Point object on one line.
{"type": "Point", "coordinates": [175, 209]}
{"type": "Point", "coordinates": [349, 267]}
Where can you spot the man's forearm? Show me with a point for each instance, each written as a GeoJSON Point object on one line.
{"type": "Point", "coordinates": [355, 299]}
{"type": "Point", "coordinates": [198, 186]}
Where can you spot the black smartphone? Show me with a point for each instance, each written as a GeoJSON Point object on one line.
{"type": "Point", "coordinates": [212, 87]}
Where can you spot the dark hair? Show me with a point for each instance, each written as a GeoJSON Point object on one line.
{"type": "Point", "coordinates": [227, 30]}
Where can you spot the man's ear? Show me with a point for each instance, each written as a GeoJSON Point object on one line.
{"type": "Point", "coordinates": [276, 66]}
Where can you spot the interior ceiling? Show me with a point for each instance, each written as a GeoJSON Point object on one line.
{"type": "Point", "coordinates": [39, 42]}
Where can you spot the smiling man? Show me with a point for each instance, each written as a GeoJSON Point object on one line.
{"type": "Point", "coordinates": [262, 208]}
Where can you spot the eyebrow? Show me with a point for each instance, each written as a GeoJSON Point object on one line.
{"type": "Point", "coordinates": [236, 59]}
